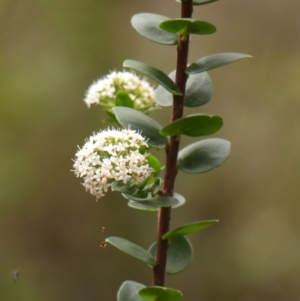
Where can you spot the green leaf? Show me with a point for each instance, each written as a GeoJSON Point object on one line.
{"type": "Point", "coordinates": [146, 197]}
{"type": "Point", "coordinates": [200, 2]}
{"type": "Point", "coordinates": [131, 248]}
{"type": "Point", "coordinates": [147, 126]}
{"type": "Point", "coordinates": [128, 188]}
{"type": "Point", "coordinates": [180, 254]}
{"type": "Point", "coordinates": [198, 91]}
{"type": "Point", "coordinates": [154, 163]}
{"type": "Point", "coordinates": [189, 228]}
{"type": "Point", "coordinates": [147, 25]}
{"type": "Point", "coordinates": [158, 293]}
{"type": "Point", "coordinates": [204, 155]}
{"type": "Point", "coordinates": [214, 61]}
{"type": "Point", "coordinates": [157, 201]}
{"type": "Point", "coordinates": [148, 207]}
{"type": "Point", "coordinates": [153, 73]}
{"type": "Point", "coordinates": [124, 100]}
{"type": "Point", "coordinates": [163, 97]}
{"type": "Point", "coordinates": [180, 198]}
{"type": "Point", "coordinates": [129, 291]}
{"type": "Point", "coordinates": [147, 185]}
{"type": "Point", "coordinates": [164, 201]}
{"type": "Point", "coordinates": [187, 26]}
{"type": "Point", "coordinates": [193, 126]}
{"type": "Point", "coordinates": [142, 206]}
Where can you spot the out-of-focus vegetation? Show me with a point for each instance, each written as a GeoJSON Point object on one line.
{"type": "Point", "coordinates": [50, 229]}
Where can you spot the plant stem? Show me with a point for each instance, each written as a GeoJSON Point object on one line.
{"type": "Point", "coordinates": [164, 214]}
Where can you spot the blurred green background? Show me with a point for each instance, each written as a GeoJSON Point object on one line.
{"type": "Point", "coordinates": [50, 228]}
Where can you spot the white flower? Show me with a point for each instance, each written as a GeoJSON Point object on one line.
{"type": "Point", "coordinates": [112, 155]}
{"type": "Point", "coordinates": [104, 91]}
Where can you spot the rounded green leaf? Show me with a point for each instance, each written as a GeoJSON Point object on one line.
{"type": "Point", "coordinates": [142, 190]}
{"type": "Point", "coordinates": [199, 91]}
{"type": "Point", "coordinates": [187, 26]}
{"type": "Point", "coordinates": [131, 248]}
{"type": "Point", "coordinates": [129, 291]}
{"type": "Point", "coordinates": [124, 188]}
{"type": "Point", "coordinates": [147, 25]}
{"type": "Point", "coordinates": [124, 100]}
{"type": "Point", "coordinates": [147, 184]}
{"type": "Point", "coordinates": [154, 163]}
{"type": "Point", "coordinates": [189, 228]}
{"type": "Point", "coordinates": [157, 75]}
{"type": "Point", "coordinates": [204, 155]}
{"type": "Point", "coordinates": [214, 61]}
{"type": "Point", "coordinates": [163, 201]}
{"type": "Point", "coordinates": [193, 126]}
{"type": "Point", "coordinates": [149, 207]}
{"type": "Point", "coordinates": [180, 254]}
{"type": "Point", "coordinates": [146, 197]}
{"type": "Point", "coordinates": [157, 201]}
{"type": "Point", "coordinates": [142, 206]}
{"type": "Point", "coordinates": [147, 126]}
{"type": "Point", "coordinates": [200, 2]}
{"type": "Point", "coordinates": [159, 293]}
{"type": "Point", "coordinates": [180, 198]}
{"type": "Point", "coordinates": [163, 97]}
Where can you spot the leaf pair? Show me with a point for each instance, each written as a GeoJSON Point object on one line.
{"type": "Point", "coordinates": [163, 30]}
{"type": "Point", "coordinates": [198, 157]}
{"type": "Point", "coordinates": [198, 86]}
{"type": "Point", "coordinates": [195, 125]}
{"type": "Point", "coordinates": [180, 251]}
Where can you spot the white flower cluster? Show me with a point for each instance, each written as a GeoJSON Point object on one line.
{"type": "Point", "coordinates": [112, 155]}
{"type": "Point", "coordinates": [104, 91]}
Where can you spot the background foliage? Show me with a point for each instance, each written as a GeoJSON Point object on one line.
{"type": "Point", "coordinates": [50, 229]}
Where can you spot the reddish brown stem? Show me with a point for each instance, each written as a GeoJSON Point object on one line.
{"type": "Point", "coordinates": [164, 215]}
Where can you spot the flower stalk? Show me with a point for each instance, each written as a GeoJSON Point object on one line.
{"type": "Point", "coordinates": [164, 214]}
